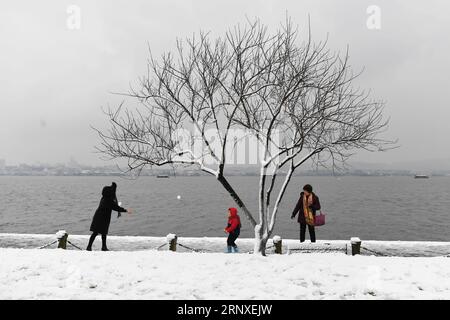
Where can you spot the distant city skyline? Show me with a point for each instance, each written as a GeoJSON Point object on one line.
{"type": "Point", "coordinates": [427, 165]}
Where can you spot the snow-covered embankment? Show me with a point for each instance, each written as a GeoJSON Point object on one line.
{"type": "Point", "coordinates": [135, 270]}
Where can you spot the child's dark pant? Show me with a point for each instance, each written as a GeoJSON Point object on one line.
{"type": "Point", "coordinates": [232, 236]}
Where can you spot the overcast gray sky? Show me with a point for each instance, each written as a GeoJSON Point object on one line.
{"type": "Point", "coordinates": [54, 80]}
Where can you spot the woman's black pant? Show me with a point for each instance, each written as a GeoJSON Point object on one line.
{"type": "Point", "coordinates": [92, 238]}
{"type": "Point", "coordinates": [232, 236]}
{"type": "Point", "coordinates": [312, 232]}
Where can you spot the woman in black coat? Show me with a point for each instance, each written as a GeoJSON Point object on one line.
{"type": "Point", "coordinates": [310, 201]}
{"type": "Point", "coordinates": [102, 217]}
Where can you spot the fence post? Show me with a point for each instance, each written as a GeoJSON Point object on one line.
{"type": "Point", "coordinates": [277, 241]}
{"type": "Point", "coordinates": [172, 240]}
{"type": "Point", "coordinates": [62, 236]}
{"type": "Point", "coordinates": [356, 245]}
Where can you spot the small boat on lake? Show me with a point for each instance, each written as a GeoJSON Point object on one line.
{"type": "Point", "coordinates": [421, 176]}
{"type": "Point", "coordinates": [162, 176]}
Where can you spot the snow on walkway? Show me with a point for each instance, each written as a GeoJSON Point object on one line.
{"type": "Point", "coordinates": [66, 274]}
{"type": "Point", "coordinates": [218, 244]}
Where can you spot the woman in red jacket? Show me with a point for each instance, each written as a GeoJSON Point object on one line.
{"type": "Point", "coordinates": [233, 229]}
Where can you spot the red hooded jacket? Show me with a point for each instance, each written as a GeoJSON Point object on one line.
{"type": "Point", "coordinates": [233, 220]}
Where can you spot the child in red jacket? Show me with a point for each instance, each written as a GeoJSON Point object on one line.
{"type": "Point", "coordinates": [233, 229]}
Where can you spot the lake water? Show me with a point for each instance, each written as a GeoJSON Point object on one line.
{"type": "Point", "coordinates": [376, 208]}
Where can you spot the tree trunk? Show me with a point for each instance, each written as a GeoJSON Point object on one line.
{"type": "Point", "coordinates": [261, 239]}
{"type": "Point", "coordinates": [236, 198]}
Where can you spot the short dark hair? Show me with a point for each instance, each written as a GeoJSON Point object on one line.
{"type": "Point", "coordinates": [307, 187]}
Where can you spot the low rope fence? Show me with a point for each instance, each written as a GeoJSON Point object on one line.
{"type": "Point", "coordinates": [319, 249]}
{"type": "Point", "coordinates": [355, 249]}
{"type": "Point", "coordinates": [193, 249]}
{"type": "Point", "coordinates": [61, 239]}
{"type": "Point", "coordinates": [172, 241]}
{"type": "Point", "coordinates": [159, 247]}
{"type": "Point", "coordinates": [47, 245]}
{"type": "Point", "coordinates": [376, 252]}
{"type": "Point", "coordinates": [73, 245]}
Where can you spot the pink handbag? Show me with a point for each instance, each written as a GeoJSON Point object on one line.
{"type": "Point", "coordinates": [319, 220]}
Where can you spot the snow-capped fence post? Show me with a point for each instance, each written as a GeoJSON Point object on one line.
{"type": "Point", "coordinates": [356, 245]}
{"type": "Point", "coordinates": [62, 236]}
{"type": "Point", "coordinates": [277, 241]}
{"type": "Point", "coordinates": [172, 241]}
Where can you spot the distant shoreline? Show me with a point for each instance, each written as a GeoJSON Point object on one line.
{"type": "Point", "coordinates": [230, 175]}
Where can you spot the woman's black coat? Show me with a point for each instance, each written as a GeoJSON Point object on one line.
{"type": "Point", "coordinates": [102, 217]}
{"type": "Point", "coordinates": [299, 208]}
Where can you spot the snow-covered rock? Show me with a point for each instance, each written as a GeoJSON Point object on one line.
{"type": "Point", "coordinates": [355, 240]}
{"type": "Point", "coordinates": [276, 239]}
{"type": "Point", "coordinates": [60, 234]}
{"type": "Point", "coordinates": [170, 237]}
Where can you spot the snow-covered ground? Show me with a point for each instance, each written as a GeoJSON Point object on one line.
{"type": "Point", "coordinates": [151, 274]}
{"type": "Point", "coordinates": [134, 269]}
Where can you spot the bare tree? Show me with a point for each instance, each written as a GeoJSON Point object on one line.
{"type": "Point", "coordinates": [263, 84]}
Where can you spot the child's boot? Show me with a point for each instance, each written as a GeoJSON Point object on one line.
{"type": "Point", "coordinates": [235, 249]}
{"type": "Point", "coordinates": [229, 249]}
